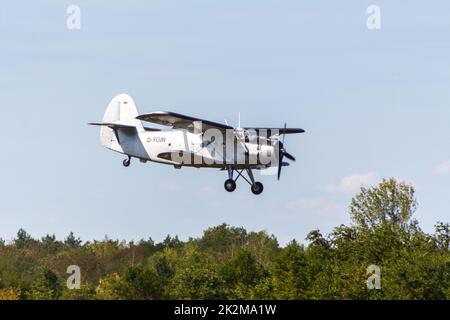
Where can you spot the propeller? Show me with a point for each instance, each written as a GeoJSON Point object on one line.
{"type": "Point", "coordinates": [283, 153]}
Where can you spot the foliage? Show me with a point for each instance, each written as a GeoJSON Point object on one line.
{"type": "Point", "coordinates": [9, 294]}
{"type": "Point", "coordinates": [389, 203]}
{"type": "Point", "coordinates": [46, 286]}
{"type": "Point", "coordinates": [231, 263]}
{"type": "Point", "coordinates": [137, 283]}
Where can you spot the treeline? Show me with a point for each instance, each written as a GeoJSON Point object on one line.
{"type": "Point", "coordinates": [231, 263]}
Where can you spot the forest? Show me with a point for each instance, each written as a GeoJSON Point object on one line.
{"type": "Point", "coordinates": [229, 262]}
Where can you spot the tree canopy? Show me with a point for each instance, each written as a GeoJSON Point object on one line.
{"type": "Point", "coordinates": [232, 263]}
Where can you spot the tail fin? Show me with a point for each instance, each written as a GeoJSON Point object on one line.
{"type": "Point", "coordinates": [121, 111]}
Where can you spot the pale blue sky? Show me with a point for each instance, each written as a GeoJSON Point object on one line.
{"type": "Point", "coordinates": [374, 104]}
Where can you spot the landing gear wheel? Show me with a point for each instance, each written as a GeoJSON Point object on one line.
{"type": "Point", "coordinates": [257, 188]}
{"type": "Point", "coordinates": [126, 162]}
{"type": "Point", "coordinates": [230, 185]}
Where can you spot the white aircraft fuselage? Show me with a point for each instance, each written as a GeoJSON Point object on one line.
{"type": "Point", "coordinates": [188, 149]}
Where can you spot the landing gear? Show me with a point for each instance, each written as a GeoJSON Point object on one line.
{"type": "Point", "coordinates": [230, 184]}
{"type": "Point", "coordinates": [126, 162]}
{"type": "Point", "coordinates": [257, 188]}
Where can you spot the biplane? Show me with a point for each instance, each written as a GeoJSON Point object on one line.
{"type": "Point", "coordinates": [193, 142]}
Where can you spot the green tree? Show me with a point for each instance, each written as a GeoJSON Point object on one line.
{"type": "Point", "coordinates": [241, 274]}
{"type": "Point", "coordinates": [262, 246]}
{"type": "Point", "coordinates": [416, 274]}
{"type": "Point", "coordinates": [196, 277]}
{"type": "Point", "coordinates": [289, 276]}
{"type": "Point", "coordinates": [23, 239]}
{"type": "Point", "coordinates": [390, 203]}
{"type": "Point", "coordinates": [242, 269]}
{"type": "Point", "coordinates": [222, 242]}
{"type": "Point", "coordinates": [442, 235]}
{"type": "Point", "coordinates": [164, 268]}
{"type": "Point", "coordinates": [316, 239]}
{"type": "Point", "coordinates": [137, 283]}
{"type": "Point", "coordinates": [141, 283]}
{"type": "Point", "coordinates": [50, 244]}
{"type": "Point", "coordinates": [46, 286]}
{"type": "Point", "coordinates": [148, 245]}
{"type": "Point", "coordinates": [72, 242]}
{"type": "Point", "coordinates": [110, 287]}
{"type": "Point", "coordinates": [170, 242]}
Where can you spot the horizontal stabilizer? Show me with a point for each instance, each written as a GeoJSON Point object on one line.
{"type": "Point", "coordinates": [112, 125]}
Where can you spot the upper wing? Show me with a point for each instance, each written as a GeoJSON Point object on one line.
{"type": "Point", "coordinates": [179, 121]}
{"type": "Point", "coordinates": [272, 131]}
